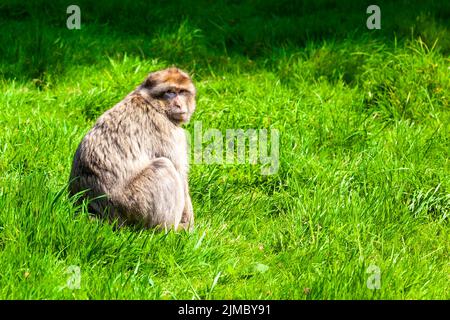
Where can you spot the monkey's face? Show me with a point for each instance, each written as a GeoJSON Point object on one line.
{"type": "Point", "coordinates": [180, 105]}
{"type": "Point", "coordinates": [174, 91]}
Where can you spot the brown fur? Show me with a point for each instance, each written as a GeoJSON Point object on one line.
{"type": "Point", "coordinates": [132, 165]}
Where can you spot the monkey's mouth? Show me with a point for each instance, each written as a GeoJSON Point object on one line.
{"type": "Point", "coordinates": [180, 116]}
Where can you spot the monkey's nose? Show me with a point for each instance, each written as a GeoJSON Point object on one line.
{"type": "Point", "coordinates": [179, 109]}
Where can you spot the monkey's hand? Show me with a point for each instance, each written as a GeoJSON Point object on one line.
{"type": "Point", "coordinates": [187, 219]}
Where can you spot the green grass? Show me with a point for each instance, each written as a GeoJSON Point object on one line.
{"type": "Point", "coordinates": [364, 176]}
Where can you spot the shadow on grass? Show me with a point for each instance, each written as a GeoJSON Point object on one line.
{"type": "Point", "coordinates": [202, 35]}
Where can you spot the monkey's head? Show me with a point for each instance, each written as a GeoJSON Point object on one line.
{"type": "Point", "coordinates": [174, 93]}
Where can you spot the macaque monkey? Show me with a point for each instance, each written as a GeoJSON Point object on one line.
{"type": "Point", "coordinates": [133, 163]}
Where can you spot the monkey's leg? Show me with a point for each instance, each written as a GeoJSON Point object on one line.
{"type": "Point", "coordinates": [155, 196]}
{"type": "Point", "coordinates": [187, 219]}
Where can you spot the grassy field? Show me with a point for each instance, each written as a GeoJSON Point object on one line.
{"type": "Point", "coordinates": [364, 169]}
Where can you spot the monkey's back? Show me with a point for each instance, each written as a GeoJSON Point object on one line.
{"type": "Point", "coordinates": [120, 144]}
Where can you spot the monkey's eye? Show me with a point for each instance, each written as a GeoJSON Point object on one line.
{"type": "Point", "coordinates": [169, 95]}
